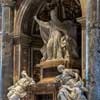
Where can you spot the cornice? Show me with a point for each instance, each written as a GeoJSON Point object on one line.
{"type": "Point", "coordinates": [82, 21]}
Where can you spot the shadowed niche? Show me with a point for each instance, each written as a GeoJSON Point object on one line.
{"type": "Point", "coordinates": [71, 7]}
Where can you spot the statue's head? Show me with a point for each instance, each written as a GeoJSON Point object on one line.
{"type": "Point", "coordinates": [23, 73]}
{"type": "Point", "coordinates": [60, 68]}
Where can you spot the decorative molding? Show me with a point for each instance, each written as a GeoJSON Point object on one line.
{"type": "Point", "coordinates": [26, 40]}
{"type": "Point", "coordinates": [82, 21]}
{"type": "Point", "coordinates": [8, 3]}
{"type": "Point", "coordinates": [20, 39]}
{"type": "Point", "coordinates": [95, 25]}
{"type": "Point", "coordinates": [19, 16]}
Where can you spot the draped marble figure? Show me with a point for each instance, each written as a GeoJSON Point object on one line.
{"type": "Point", "coordinates": [72, 87]}
{"type": "Point", "coordinates": [18, 90]}
{"type": "Point", "coordinates": [54, 34]}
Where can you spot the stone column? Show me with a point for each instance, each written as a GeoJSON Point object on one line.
{"type": "Point", "coordinates": [82, 21]}
{"type": "Point", "coordinates": [7, 47]}
{"type": "Point", "coordinates": [93, 48]}
{"type": "Point", "coordinates": [0, 66]}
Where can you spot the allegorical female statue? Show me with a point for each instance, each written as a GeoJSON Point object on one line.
{"type": "Point", "coordinates": [18, 90]}
{"type": "Point", "coordinates": [72, 87]}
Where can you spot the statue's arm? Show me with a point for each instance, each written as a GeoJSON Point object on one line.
{"type": "Point", "coordinates": [67, 87]}
{"type": "Point", "coordinates": [11, 87]}
{"type": "Point", "coordinates": [42, 23]}
{"type": "Point", "coordinates": [32, 82]}
{"type": "Point", "coordinates": [76, 76]}
{"type": "Point", "coordinates": [84, 89]}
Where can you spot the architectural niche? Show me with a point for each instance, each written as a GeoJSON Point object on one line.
{"type": "Point", "coordinates": [25, 43]}
{"type": "Point", "coordinates": [28, 42]}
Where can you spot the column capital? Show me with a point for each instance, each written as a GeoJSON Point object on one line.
{"type": "Point", "coordinates": [8, 3]}
{"type": "Point", "coordinates": [82, 21]}
{"type": "Point", "coordinates": [95, 25]}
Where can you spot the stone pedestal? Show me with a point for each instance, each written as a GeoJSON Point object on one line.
{"type": "Point", "coordinates": [52, 65]}
{"type": "Point", "coordinates": [48, 71]}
